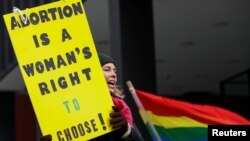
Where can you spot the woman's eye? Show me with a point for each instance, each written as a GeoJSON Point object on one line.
{"type": "Point", "coordinates": [106, 69]}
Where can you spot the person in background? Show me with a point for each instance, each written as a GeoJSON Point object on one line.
{"type": "Point", "coordinates": [121, 117]}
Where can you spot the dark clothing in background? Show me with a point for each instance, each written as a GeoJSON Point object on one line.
{"type": "Point", "coordinates": [116, 136]}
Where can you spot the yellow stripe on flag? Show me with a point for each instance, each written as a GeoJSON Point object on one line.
{"type": "Point", "coordinates": [173, 122]}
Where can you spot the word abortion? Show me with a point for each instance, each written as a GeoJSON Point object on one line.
{"type": "Point", "coordinates": [47, 15]}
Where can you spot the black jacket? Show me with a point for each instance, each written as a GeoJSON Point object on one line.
{"type": "Point", "coordinates": [116, 135]}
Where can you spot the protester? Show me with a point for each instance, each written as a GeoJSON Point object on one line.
{"type": "Point", "coordinates": [121, 117]}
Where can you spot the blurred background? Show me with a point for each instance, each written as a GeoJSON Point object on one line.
{"type": "Point", "coordinates": [196, 50]}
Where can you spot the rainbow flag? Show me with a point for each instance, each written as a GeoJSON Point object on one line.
{"type": "Point", "coordinates": [175, 120]}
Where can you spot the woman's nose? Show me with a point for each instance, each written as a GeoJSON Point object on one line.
{"type": "Point", "coordinates": [113, 73]}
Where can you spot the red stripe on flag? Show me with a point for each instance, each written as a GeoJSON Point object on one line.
{"type": "Point", "coordinates": [203, 113]}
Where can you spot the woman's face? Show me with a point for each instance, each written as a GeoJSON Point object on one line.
{"type": "Point", "coordinates": [109, 71]}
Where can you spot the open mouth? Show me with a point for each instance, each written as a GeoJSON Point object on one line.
{"type": "Point", "coordinates": [111, 83]}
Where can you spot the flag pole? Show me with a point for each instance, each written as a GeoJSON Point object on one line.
{"type": "Point", "coordinates": [144, 113]}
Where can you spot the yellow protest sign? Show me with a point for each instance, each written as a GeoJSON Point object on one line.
{"type": "Point", "coordinates": [59, 63]}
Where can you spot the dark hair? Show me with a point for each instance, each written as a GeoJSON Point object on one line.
{"type": "Point", "coordinates": [104, 59]}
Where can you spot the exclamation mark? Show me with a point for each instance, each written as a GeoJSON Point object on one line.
{"type": "Point", "coordinates": [102, 121]}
